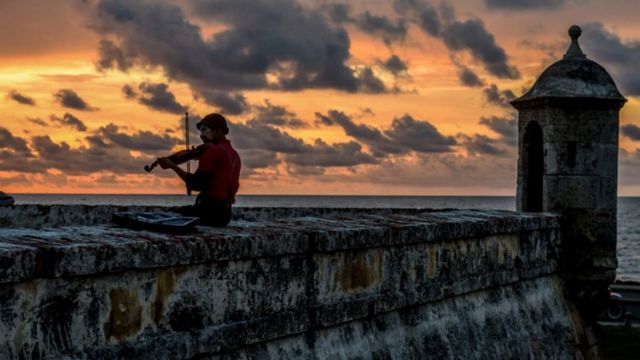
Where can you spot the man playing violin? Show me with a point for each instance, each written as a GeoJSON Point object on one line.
{"type": "Point", "coordinates": [217, 176]}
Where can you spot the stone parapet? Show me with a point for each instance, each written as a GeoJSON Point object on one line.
{"type": "Point", "coordinates": [272, 276]}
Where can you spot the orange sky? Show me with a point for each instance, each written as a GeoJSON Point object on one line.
{"type": "Point", "coordinates": [51, 46]}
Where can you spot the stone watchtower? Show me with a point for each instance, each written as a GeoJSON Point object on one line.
{"type": "Point", "coordinates": [568, 164]}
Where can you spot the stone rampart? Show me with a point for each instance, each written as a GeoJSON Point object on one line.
{"type": "Point", "coordinates": [285, 283]}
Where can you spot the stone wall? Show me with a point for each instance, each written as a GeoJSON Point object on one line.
{"type": "Point", "coordinates": [285, 283]}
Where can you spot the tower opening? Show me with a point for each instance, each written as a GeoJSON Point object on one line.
{"type": "Point", "coordinates": [533, 167]}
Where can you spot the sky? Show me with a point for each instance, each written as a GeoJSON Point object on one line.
{"type": "Point", "coordinates": [365, 97]}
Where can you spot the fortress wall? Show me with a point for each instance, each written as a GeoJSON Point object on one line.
{"type": "Point", "coordinates": [285, 283]}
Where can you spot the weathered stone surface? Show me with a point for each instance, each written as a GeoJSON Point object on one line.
{"type": "Point", "coordinates": [273, 286]}
{"type": "Point", "coordinates": [589, 159]}
{"type": "Point", "coordinates": [568, 123]}
{"type": "Point", "coordinates": [70, 249]}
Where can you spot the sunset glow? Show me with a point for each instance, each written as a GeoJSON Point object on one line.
{"type": "Point", "coordinates": [390, 97]}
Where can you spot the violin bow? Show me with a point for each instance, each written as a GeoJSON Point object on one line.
{"type": "Point", "coordinates": [186, 135]}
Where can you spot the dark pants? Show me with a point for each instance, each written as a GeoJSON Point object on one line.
{"type": "Point", "coordinates": [211, 212]}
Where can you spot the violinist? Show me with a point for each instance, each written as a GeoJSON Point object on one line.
{"type": "Point", "coordinates": [217, 176]}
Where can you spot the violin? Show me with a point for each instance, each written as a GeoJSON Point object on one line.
{"type": "Point", "coordinates": [181, 156]}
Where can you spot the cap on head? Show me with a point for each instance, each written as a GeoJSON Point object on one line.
{"type": "Point", "coordinates": [214, 121]}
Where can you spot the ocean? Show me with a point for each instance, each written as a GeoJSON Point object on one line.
{"type": "Point", "coordinates": [628, 211]}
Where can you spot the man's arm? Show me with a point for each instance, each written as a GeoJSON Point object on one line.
{"type": "Point", "coordinates": [165, 163]}
{"type": "Point", "coordinates": [196, 181]}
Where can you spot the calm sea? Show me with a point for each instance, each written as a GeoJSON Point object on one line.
{"type": "Point", "coordinates": [628, 211]}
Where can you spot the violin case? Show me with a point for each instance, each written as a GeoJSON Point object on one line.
{"type": "Point", "coordinates": [166, 222]}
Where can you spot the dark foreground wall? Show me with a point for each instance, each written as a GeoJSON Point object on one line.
{"type": "Point", "coordinates": [284, 283]}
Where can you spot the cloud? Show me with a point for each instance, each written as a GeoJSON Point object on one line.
{"type": "Point", "coordinates": [405, 134]}
{"type": "Point", "coordinates": [258, 159]}
{"type": "Point", "coordinates": [498, 97]}
{"type": "Point", "coordinates": [369, 83]}
{"type": "Point", "coordinates": [395, 65]}
{"type": "Point", "coordinates": [459, 35]}
{"type": "Point", "coordinates": [483, 145]}
{"type": "Point", "coordinates": [155, 96]}
{"type": "Point", "coordinates": [14, 143]}
{"type": "Point", "coordinates": [620, 57]}
{"type": "Point", "coordinates": [254, 135]}
{"type": "Point", "coordinates": [631, 131]}
{"type": "Point", "coordinates": [471, 35]}
{"type": "Point", "coordinates": [263, 143]}
{"type": "Point", "coordinates": [380, 145]}
{"type": "Point", "coordinates": [382, 26]}
{"type": "Point", "coordinates": [468, 77]}
{"type": "Point", "coordinates": [420, 136]}
{"type": "Point", "coordinates": [83, 160]}
{"type": "Point", "coordinates": [379, 26]}
{"type": "Point", "coordinates": [69, 120]}
{"type": "Point", "coordinates": [277, 115]}
{"type": "Point", "coordinates": [257, 49]}
{"type": "Point", "coordinates": [339, 13]}
{"type": "Point", "coordinates": [228, 103]}
{"type": "Point", "coordinates": [22, 99]}
{"type": "Point", "coordinates": [524, 4]}
{"type": "Point", "coordinates": [68, 98]}
{"type": "Point", "coordinates": [507, 128]}
{"type": "Point", "coordinates": [37, 121]}
{"type": "Point", "coordinates": [340, 154]}
{"type": "Point", "coordinates": [144, 141]}
{"type": "Point", "coordinates": [111, 56]}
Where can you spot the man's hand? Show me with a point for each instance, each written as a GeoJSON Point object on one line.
{"type": "Point", "coordinates": [165, 163]}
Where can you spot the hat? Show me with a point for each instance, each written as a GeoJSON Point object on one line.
{"type": "Point", "coordinates": [214, 121]}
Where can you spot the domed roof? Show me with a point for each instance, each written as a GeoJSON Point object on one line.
{"type": "Point", "coordinates": [574, 76]}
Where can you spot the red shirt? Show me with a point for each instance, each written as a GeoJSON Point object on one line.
{"type": "Point", "coordinates": [221, 163]}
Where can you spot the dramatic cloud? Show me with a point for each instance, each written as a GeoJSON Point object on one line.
{"type": "Point", "coordinates": [507, 128]}
{"type": "Point", "coordinates": [468, 77]}
{"type": "Point", "coordinates": [483, 145]}
{"type": "Point", "coordinates": [369, 83]}
{"type": "Point", "coordinates": [472, 36]}
{"type": "Point", "coordinates": [631, 131]}
{"type": "Point", "coordinates": [144, 141]}
{"type": "Point", "coordinates": [82, 161]}
{"type": "Point", "coordinates": [262, 142]}
{"type": "Point", "coordinates": [468, 35]}
{"type": "Point", "coordinates": [10, 142]}
{"type": "Point", "coordinates": [382, 26]}
{"type": "Point", "coordinates": [620, 57]}
{"type": "Point", "coordinates": [339, 13]}
{"type": "Point", "coordinates": [323, 154]}
{"type": "Point", "coordinates": [524, 4]}
{"type": "Point", "coordinates": [254, 135]}
{"type": "Point", "coordinates": [258, 159]}
{"type": "Point", "coordinates": [111, 56]}
{"type": "Point", "coordinates": [69, 120]}
{"type": "Point", "coordinates": [155, 96]}
{"type": "Point", "coordinates": [277, 115]}
{"type": "Point", "coordinates": [395, 65]}
{"type": "Point", "coordinates": [228, 103]}
{"type": "Point", "coordinates": [68, 98]}
{"type": "Point", "coordinates": [419, 136]}
{"type": "Point", "coordinates": [37, 121]}
{"type": "Point", "coordinates": [379, 26]}
{"type": "Point", "coordinates": [498, 97]}
{"type": "Point", "coordinates": [406, 134]}
{"type": "Point", "coordinates": [22, 99]}
{"type": "Point", "coordinates": [257, 49]}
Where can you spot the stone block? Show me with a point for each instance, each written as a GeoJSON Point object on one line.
{"type": "Point", "coordinates": [563, 192]}
{"type": "Point", "coordinates": [588, 159]}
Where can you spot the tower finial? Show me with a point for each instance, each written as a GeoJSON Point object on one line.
{"type": "Point", "coordinates": [574, 51]}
